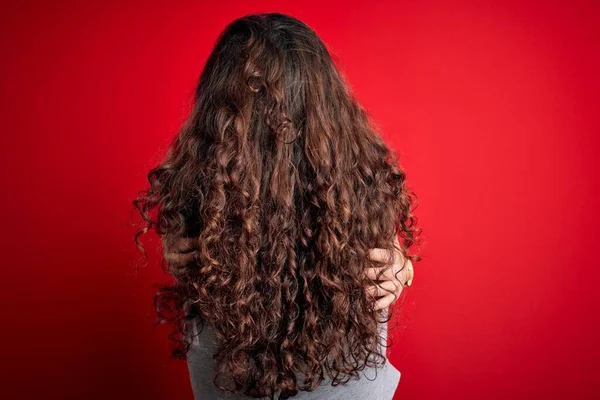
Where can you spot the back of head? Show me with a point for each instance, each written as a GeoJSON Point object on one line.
{"type": "Point", "coordinates": [286, 185]}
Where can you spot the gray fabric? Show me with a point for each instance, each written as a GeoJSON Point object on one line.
{"type": "Point", "coordinates": [374, 384]}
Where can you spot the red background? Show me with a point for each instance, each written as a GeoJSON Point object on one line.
{"type": "Point", "coordinates": [493, 109]}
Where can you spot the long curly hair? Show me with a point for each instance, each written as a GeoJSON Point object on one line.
{"type": "Point", "coordinates": [283, 181]}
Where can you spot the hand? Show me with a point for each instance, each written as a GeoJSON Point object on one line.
{"type": "Point", "coordinates": [387, 290]}
{"type": "Point", "coordinates": [181, 253]}
{"type": "Point", "coordinates": [391, 282]}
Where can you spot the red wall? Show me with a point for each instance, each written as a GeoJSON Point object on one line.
{"type": "Point", "coordinates": [494, 112]}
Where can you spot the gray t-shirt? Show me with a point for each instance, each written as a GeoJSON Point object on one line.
{"type": "Point", "coordinates": [374, 384]}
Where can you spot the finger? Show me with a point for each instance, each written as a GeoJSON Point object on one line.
{"type": "Point", "coordinates": [384, 288]}
{"type": "Point", "coordinates": [409, 273]}
{"type": "Point", "coordinates": [379, 273]}
{"type": "Point", "coordinates": [406, 273]}
{"type": "Point", "coordinates": [392, 272]}
{"type": "Point", "coordinates": [178, 260]}
{"type": "Point", "coordinates": [382, 255]}
{"type": "Point", "coordinates": [397, 273]}
{"type": "Point", "coordinates": [184, 244]}
{"type": "Point", "coordinates": [385, 301]}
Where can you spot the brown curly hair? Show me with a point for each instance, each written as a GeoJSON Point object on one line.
{"type": "Point", "coordinates": [284, 181]}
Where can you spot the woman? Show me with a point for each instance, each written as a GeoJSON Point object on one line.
{"type": "Point", "coordinates": [280, 210]}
